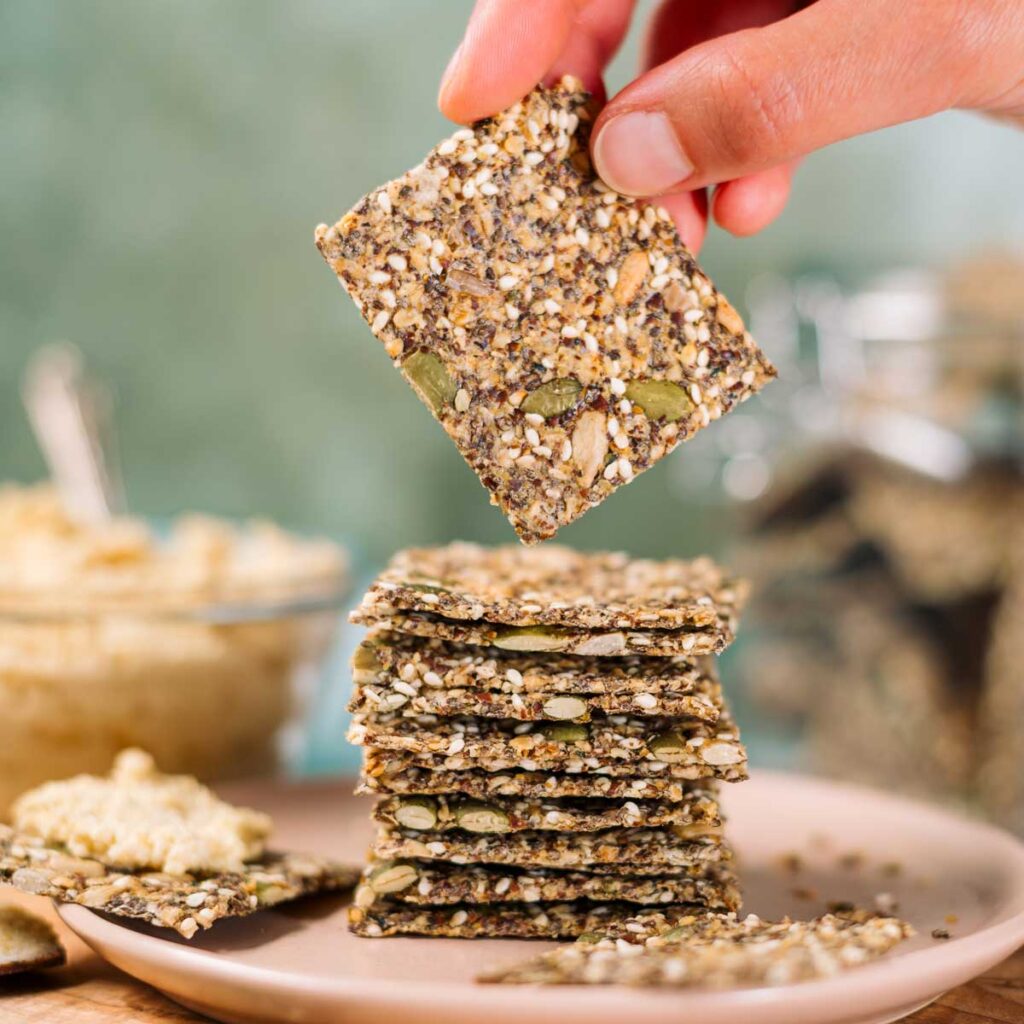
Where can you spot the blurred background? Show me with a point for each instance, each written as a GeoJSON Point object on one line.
{"type": "Point", "coordinates": [162, 167]}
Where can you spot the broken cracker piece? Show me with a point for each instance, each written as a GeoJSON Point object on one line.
{"type": "Point", "coordinates": [183, 902]}
{"type": "Point", "coordinates": [715, 951]}
{"type": "Point", "coordinates": [27, 942]}
{"type": "Point", "coordinates": [562, 334]}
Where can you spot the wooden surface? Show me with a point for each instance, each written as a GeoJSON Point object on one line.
{"type": "Point", "coordinates": [89, 991]}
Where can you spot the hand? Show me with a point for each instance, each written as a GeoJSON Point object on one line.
{"type": "Point", "coordinates": [735, 92]}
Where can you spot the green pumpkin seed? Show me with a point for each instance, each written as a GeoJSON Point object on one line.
{"type": "Point", "coordinates": [392, 876]}
{"type": "Point", "coordinates": [365, 659]}
{"type": "Point", "coordinates": [477, 816]}
{"type": "Point", "coordinates": [660, 399]}
{"type": "Point", "coordinates": [590, 938]}
{"type": "Point", "coordinates": [529, 638]}
{"type": "Point", "coordinates": [669, 747]}
{"type": "Point", "coordinates": [553, 397]}
{"type": "Point", "coordinates": [565, 732]}
{"type": "Point", "coordinates": [431, 378]}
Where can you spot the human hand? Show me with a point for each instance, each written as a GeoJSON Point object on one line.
{"type": "Point", "coordinates": [735, 92]}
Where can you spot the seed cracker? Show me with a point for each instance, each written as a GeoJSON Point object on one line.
{"type": "Point", "coordinates": [635, 851]}
{"type": "Point", "coordinates": [689, 642]}
{"type": "Point", "coordinates": [554, 586]}
{"type": "Point", "coordinates": [425, 663]}
{"type": "Point", "coordinates": [393, 772]}
{"type": "Point", "coordinates": [618, 745]}
{"type": "Point", "coordinates": [509, 920]}
{"type": "Point", "coordinates": [562, 335]}
{"type": "Point", "coordinates": [696, 816]}
{"type": "Point", "coordinates": [721, 953]}
{"type": "Point", "coordinates": [27, 942]}
{"type": "Point", "coordinates": [429, 883]}
{"type": "Point", "coordinates": [183, 902]}
{"type": "Point", "coordinates": [393, 695]}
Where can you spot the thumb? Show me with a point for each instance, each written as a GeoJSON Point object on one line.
{"type": "Point", "coordinates": [753, 99]}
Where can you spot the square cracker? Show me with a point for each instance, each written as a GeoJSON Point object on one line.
{"type": "Point", "coordinates": [430, 883]}
{"type": "Point", "coordinates": [554, 586]}
{"type": "Point", "coordinates": [562, 335]}
{"type": "Point", "coordinates": [386, 771]}
{"type": "Point", "coordinates": [696, 816]}
{"type": "Point", "coordinates": [512, 920]}
{"type": "Point", "coordinates": [634, 851]}
{"type": "Point", "coordinates": [618, 746]}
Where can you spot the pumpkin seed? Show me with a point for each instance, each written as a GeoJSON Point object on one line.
{"type": "Point", "coordinates": [553, 398]}
{"type": "Point", "coordinates": [431, 379]}
{"type": "Point", "coordinates": [418, 812]}
{"type": "Point", "coordinates": [529, 638]}
{"type": "Point", "coordinates": [565, 707]}
{"type": "Point", "coordinates": [660, 399]}
{"type": "Point", "coordinates": [392, 876]}
{"type": "Point", "coordinates": [669, 747]}
{"type": "Point", "coordinates": [365, 659]}
{"type": "Point", "coordinates": [477, 816]}
{"type": "Point", "coordinates": [565, 732]}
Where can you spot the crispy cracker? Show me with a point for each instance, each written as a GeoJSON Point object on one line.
{"type": "Point", "coordinates": [689, 642]}
{"type": "Point", "coordinates": [27, 942]}
{"type": "Point", "coordinates": [183, 902]}
{"type": "Point", "coordinates": [554, 586]}
{"type": "Point", "coordinates": [635, 851]}
{"type": "Point", "coordinates": [617, 745]}
{"type": "Point", "coordinates": [717, 951]}
{"type": "Point", "coordinates": [431, 883]}
{"type": "Point", "coordinates": [509, 920]}
{"type": "Point", "coordinates": [423, 662]}
{"type": "Point", "coordinates": [697, 815]}
{"type": "Point", "coordinates": [393, 695]}
{"type": "Point", "coordinates": [562, 334]}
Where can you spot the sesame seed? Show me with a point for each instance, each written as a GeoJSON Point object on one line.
{"type": "Point", "coordinates": [507, 282]}
{"type": "Point", "coordinates": [458, 742]}
{"type": "Point", "coordinates": [533, 158]}
{"type": "Point", "coordinates": [621, 440]}
{"type": "Point", "coordinates": [468, 188]}
{"type": "Point", "coordinates": [613, 426]}
{"type": "Point", "coordinates": [463, 135]}
{"type": "Point", "coordinates": [398, 262]}
{"type": "Point", "coordinates": [611, 471]}
{"type": "Point", "coordinates": [625, 407]}
{"type": "Point", "coordinates": [447, 147]}
{"type": "Point", "coordinates": [435, 265]}
{"type": "Point", "coordinates": [625, 469]}
{"type": "Point", "coordinates": [387, 296]}
{"type": "Point", "coordinates": [661, 265]}
{"type": "Point", "coordinates": [552, 307]}
{"type": "Point", "coordinates": [542, 451]}
{"type": "Point", "coordinates": [695, 393]}
{"type": "Point", "coordinates": [659, 281]}
{"type": "Point", "coordinates": [618, 387]}
{"type": "Point", "coordinates": [549, 203]}
{"type": "Point", "coordinates": [379, 277]}
{"type": "Point", "coordinates": [487, 149]}
{"type": "Point", "coordinates": [512, 312]}
{"type": "Point", "coordinates": [547, 264]}
{"type": "Point", "coordinates": [532, 437]}
{"type": "Point", "coordinates": [691, 316]}
{"type": "Point", "coordinates": [489, 189]}
{"type": "Point", "coordinates": [602, 218]}
{"type": "Point", "coordinates": [534, 419]}
{"type": "Point", "coordinates": [621, 326]}
{"type": "Point", "coordinates": [432, 679]}
{"type": "Point", "coordinates": [569, 332]}
{"type": "Point", "coordinates": [384, 201]}
{"type": "Point", "coordinates": [590, 341]}
{"type": "Point", "coordinates": [461, 400]}
{"type": "Point", "coordinates": [548, 363]}
{"type": "Point", "coordinates": [380, 321]}
{"type": "Point", "coordinates": [582, 236]}
{"type": "Point", "coordinates": [514, 676]}
{"type": "Point", "coordinates": [612, 277]}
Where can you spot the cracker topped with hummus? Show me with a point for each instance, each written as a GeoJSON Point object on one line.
{"type": "Point", "coordinates": [138, 819]}
{"type": "Point", "coordinates": [562, 334]}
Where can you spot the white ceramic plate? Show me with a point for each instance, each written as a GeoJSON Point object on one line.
{"type": "Point", "coordinates": [300, 964]}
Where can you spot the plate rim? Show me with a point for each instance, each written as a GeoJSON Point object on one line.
{"type": "Point", "coordinates": [936, 968]}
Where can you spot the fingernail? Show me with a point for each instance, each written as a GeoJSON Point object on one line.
{"type": "Point", "coordinates": [638, 154]}
{"type": "Point", "coordinates": [449, 72]}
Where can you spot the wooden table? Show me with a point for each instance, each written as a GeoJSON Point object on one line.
{"type": "Point", "coordinates": [89, 991]}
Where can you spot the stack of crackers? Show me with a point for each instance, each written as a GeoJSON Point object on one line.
{"type": "Point", "coordinates": [546, 732]}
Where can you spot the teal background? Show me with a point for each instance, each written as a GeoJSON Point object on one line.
{"type": "Point", "coordinates": [162, 166]}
